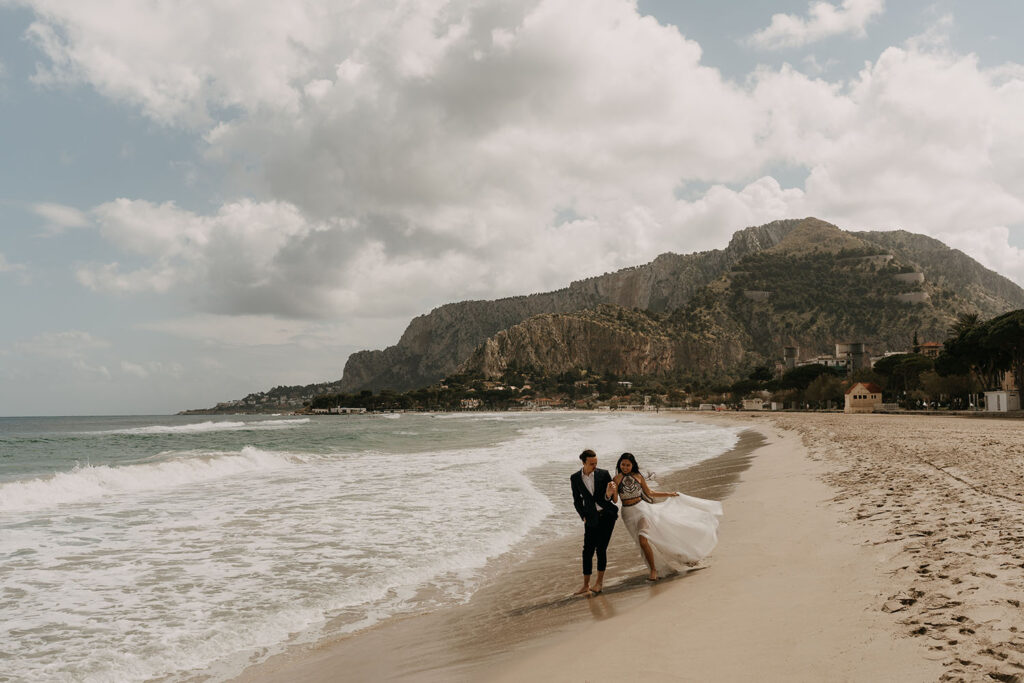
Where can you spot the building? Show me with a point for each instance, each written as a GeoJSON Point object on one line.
{"type": "Point", "coordinates": [854, 353]}
{"type": "Point", "coordinates": [931, 349]}
{"type": "Point", "coordinates": [1007, 397]}
{"type": "Point", "coordinates": [863, 397]}
{"type": "Point", "coordinates": [826, 360]}
{"type": "Point", "coordinates": [753, 404]}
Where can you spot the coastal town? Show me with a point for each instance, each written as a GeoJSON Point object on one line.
{"type": "Point", "coordinates": [851, 379]}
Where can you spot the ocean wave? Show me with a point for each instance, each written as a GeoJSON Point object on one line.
{"type": "Point", "coordinates": [210, 426]}
{"type": "Point", "coordinates": [87, 482]}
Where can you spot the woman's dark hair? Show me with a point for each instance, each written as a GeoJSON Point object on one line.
{"type": "Point", "coordinates": [629, 457]}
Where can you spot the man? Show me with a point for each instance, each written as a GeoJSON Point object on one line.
{"type": "Point", "coordinates": [593, 495]}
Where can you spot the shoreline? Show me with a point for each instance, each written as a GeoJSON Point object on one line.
{"type": "Point", "coordinates": [786, 596]}
{"type": "Point", "coordinates": [523, 601]}
{"type": "Point", "coordinates": [853, 548]}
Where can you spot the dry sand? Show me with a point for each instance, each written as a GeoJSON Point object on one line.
{"type": "Point", "coordinates": [942, 499]}
{"type": "Point", "coordinates": [854, 548]}
{"type": "Point", "coordinates": [889, 548]}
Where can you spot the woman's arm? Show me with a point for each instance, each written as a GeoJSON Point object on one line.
{"type": "Point", "coordinates": [612, 492]}
{"type": "Point", "coordinates": [654, 494]}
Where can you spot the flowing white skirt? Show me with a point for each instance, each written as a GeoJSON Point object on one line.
{"type": "Point", "coordinates": [681, 530]}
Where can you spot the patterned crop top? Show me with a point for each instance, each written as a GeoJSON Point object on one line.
{"type": "Point", "coordinates": [630, 488]}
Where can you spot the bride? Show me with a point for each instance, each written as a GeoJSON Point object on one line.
{"type": "Point", "coordinates": [678, 532]}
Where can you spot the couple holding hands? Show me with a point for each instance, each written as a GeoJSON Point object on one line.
{"type": "Point", "coordinates": [679, 531]}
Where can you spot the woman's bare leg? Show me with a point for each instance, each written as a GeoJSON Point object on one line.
{"type": "Point", "coordinates": [645, 548]}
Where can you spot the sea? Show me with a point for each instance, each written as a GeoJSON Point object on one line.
{"type": "Point", "coordinates": [179, 548]}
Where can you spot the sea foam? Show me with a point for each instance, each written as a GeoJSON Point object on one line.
{"type": "Point", "coordinates": [87, 482]}
{"type": "Point", "coordinates": [210, 426]}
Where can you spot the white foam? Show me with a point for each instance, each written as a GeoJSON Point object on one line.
{"type": "Point", "coordinates": [210, 426]}
{"type": "Point", "coordinates": [212, 571]}
{"type": "Point", "coordinates": [90, 482]}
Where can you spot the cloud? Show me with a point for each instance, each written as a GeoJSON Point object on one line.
{"type": "Point", "coordinates": [66, 343]}
{"type": "Point", "coordinates": [824, 21]}
{"type": "Point", "coordinates": [235, 331]}
{"type": "Point", "coordinates": [8, 267]}
{"type": "Point", "coordinates": [151, 368]}
{"type": "Point", "coordinates": [395, 156]}
{"type": "Point", "coordinates": [59, 217]}
{"type": "Point", "coordinates": [70, 345]}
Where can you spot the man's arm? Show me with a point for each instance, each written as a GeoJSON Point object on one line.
{"type": "Point", "coordinates": [577, 496]}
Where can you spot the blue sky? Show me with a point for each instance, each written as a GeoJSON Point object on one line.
{"type": "Point", "coordinates": [202, 200]}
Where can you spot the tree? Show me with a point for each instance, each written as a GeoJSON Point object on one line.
{"type": "Point", "coordinates": [936, 386]}
{"type": "Point", "coordinates": [869, 376]}
{"type": "Point", "coordinates": [762, 373]}
{"type": "Point", "coordinates": [824, 388]}
{"type": "Point", "coordinates": [964, 323]}
{"type": "Point", "coordinates": [977, 350]}
{"type": "Point", "coordinates": [743, 387]}
{"type": "Point", "coordinates": [801, 377]}
{"type": "Point", "coordinates": [902, 370]}
{"type": "Point", "coordinates": [1005, 343]}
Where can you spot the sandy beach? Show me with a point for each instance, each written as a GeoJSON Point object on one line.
{"type": "Point", "coordinates": [853, 548]}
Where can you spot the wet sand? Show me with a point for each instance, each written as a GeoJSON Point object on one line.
{"type": "Point", "coordinates": [790, 594]}
{"type": "Point", "coordinates": [853, 548]}
{"type": "Point", "coordinates": [526, 601]}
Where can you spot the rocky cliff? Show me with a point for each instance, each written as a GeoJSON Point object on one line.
{"type": "Point", "coordinates": [436, 343]}
{"type": "Point", "coordinates": [627, 342]}
{"type": "Point", "coordinates": [796, 282]}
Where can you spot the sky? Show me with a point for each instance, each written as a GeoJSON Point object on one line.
{"type": "Point", "coordinates": [203, 200]}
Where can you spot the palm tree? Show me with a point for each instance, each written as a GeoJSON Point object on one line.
{"type": "Point", "coordinates": [964, 323]}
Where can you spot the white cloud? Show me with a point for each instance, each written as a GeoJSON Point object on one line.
{"type": "Point", "coordinates": [234, 331]}
{"type": "Point", "coordinates": [151, 368]}
{"type": "Point", "coordinates": [8, 267]}
{"type": "Point", "coordinates": [990, 245]}
{"type": "Point", "coordinates": [187, 64]}
{"type": "Point", "coordinates": [68, 344]}
{"type": "Point", "coordinates": [824, 20]}
{"type": "Point", "coordinates": [400, 155]}
{"type": "Point", "coordinates": [59, 217]}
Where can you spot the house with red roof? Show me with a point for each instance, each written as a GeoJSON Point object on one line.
{"type": "Point", "coordinates": [863, 397]}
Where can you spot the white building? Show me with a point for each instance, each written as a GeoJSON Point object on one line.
{"type": "Point", "coordinates": [1001, 401]}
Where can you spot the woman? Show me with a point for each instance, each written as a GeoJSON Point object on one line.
{"type": "Point", "coordinates": [678, 532]}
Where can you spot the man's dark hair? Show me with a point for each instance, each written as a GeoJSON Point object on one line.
{"type": "Point", "coordinates": [587, 454]}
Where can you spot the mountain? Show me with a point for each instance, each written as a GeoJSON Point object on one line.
{"type": "Point", "coordinates": [433, 345]}
{"type": "Point", "coordinates": [799, 283]}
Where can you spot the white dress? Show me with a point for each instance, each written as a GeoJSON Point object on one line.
{"type": "Point", "coordinates": [680, 530]}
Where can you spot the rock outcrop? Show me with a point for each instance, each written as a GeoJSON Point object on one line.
{"type": "Point", "coordinates": [435, 344]}
{"type": "Point", "coordinates": [826, 285]}
{"type": "Point", "coordinates": [609, 339]}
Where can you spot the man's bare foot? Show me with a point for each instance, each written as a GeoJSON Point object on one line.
{"type": "Point", "coordinates": [583, 591]}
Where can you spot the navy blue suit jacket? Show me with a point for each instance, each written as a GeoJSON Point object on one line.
{"type": "Point", "coordinates": [584, 502]}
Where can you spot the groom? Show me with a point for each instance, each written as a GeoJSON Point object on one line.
{"type": "Point", "coordinates": [592, 494]}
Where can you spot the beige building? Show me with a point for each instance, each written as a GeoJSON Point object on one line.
{"type": "Point", "coordinates": [931, 349]}
{"type": "Point", "coordinates": [863, 397]}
